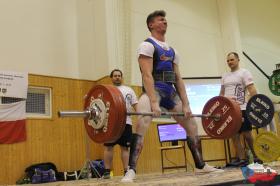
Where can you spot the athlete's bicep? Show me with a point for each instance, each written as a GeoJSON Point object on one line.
{"type": "Point", "coordinates": [146, 64]}
{"type": "Point", "coordinates": [177, 71]}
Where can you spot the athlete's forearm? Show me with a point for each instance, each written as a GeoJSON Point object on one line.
{"type": "Point", "coordinates": [180, 86]}
{"type": "Point", "coordinates": [149, 86]}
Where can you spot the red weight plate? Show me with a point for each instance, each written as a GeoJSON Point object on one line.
{"type": "Point", "coordinates": [230, 121]}
{"type": "Point", "coordinates": [120, 125]}
{"type": "Point", "coordinates": [116, 113]}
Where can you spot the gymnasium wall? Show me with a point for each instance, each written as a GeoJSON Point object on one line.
{"type": "Point", "coordinates": [259, 29]}
{"type": "Point", "coordinates": [73, 38]}
{"type": "Point", "coordinates": [39, 37]}
{"type": "Point", "coordinates": [85, 39]}
{"type": "Point", "coordinates": [62, 38]}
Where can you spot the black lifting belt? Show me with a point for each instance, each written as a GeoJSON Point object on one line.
{"type": "Point", "coordinates": [165, 76]}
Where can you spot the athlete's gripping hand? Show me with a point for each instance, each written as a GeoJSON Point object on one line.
{"type": "Point", "coordinates": [156, 109]}
{"type": "Point", "coordinates": [187, 112]}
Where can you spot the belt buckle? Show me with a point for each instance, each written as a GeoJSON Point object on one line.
{"type": "Point", "coordinates": [163, 76]}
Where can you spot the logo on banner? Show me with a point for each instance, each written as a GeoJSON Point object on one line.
{"type": "Point", "coordinates": [13, 84]}
{"type": "Point", "coordinates": [3, 90]}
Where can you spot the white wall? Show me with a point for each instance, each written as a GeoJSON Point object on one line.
{"type": "Point", "coordinates": [86, 39]}
{"type": "Point", "coordinates": [39, 36]}
{"type": "Point", "coordinates": [193, 30]}
{"type": "Point", "coordinates": [260, 28]}
{"type": "Point", "coordinates": [92, 39]}
{"type": "Point", "coordinates": [65, 38]}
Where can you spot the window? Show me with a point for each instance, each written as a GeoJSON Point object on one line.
{"type": "Point", "coordinates": [38, 103]}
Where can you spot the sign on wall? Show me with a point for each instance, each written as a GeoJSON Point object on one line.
{"type": "Point", "coordinates": [13, 84]}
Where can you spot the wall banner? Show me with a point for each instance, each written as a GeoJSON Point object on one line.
{"type": "Point", "coordinates": [13, 84]}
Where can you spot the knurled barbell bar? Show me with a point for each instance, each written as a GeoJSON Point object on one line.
{"type": "Point", "coordinates": [92, 113]}
{"type": "Point", "coordinates": [105, 115]}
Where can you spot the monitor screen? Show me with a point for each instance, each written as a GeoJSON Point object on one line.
{"type": "Point", "coordinates": [171, 132]}
{"type": "Point", "coordinates": [200, 92]}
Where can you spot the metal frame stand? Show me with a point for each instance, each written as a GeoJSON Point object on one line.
{"type": "Point", "coordinates": [88, 166]}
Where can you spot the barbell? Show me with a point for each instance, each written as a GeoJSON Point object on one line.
{"type": "Point", "coordinates": [105, 114]}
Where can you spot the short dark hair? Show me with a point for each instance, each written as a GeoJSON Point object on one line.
{"type": "Point", "coordinates": [115, 70]}
{"type": "Point", "coordinates": [154, 14]}
{"type": "Point", "coordinates": [234, 53]}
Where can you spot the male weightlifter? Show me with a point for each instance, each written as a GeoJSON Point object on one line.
{"type": "Point", "coordinates": [163, 87]}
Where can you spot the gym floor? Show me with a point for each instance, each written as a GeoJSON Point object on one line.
{"type": "Point", "coordinates": [174, 178]}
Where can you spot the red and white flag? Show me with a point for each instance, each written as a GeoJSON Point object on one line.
{"type": "Point", "coordinates": [12, 122]}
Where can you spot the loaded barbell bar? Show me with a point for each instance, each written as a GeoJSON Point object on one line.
{"type": "Point", "coordinates": [91, 113]}
{"type": "Point", "coordinates": [105, 114]}
{"type": "Point", "coordinates": [216, 117]}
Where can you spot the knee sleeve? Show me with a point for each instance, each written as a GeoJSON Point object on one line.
{"type": "Point", "coordinates": [135, 150]}
{"type": "Point", "coordinates": [194, 145]}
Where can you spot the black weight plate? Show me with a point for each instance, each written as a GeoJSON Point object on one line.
{"type": "Point", "coordinates": [260, 110]}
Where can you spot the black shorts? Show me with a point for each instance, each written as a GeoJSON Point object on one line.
{"type": "Point", "coordinates": [125, 139]}
{"type": "Point", "coordinates": [246, 125]}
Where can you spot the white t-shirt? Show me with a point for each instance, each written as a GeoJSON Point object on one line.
{"type": "Point", "coordinates": [235, 84]}
{"type": "Point", "coordinates": [146, 48]}
{"type": "Point", "coordinates": [130, 99]}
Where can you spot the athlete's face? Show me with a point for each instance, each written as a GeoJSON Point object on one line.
{"type": "Point", "coordinates": [117, 78]}
{"type": "Point", "coordinates": [159, 24]}
{"type": "Point", "coordinates": [233, 62]}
